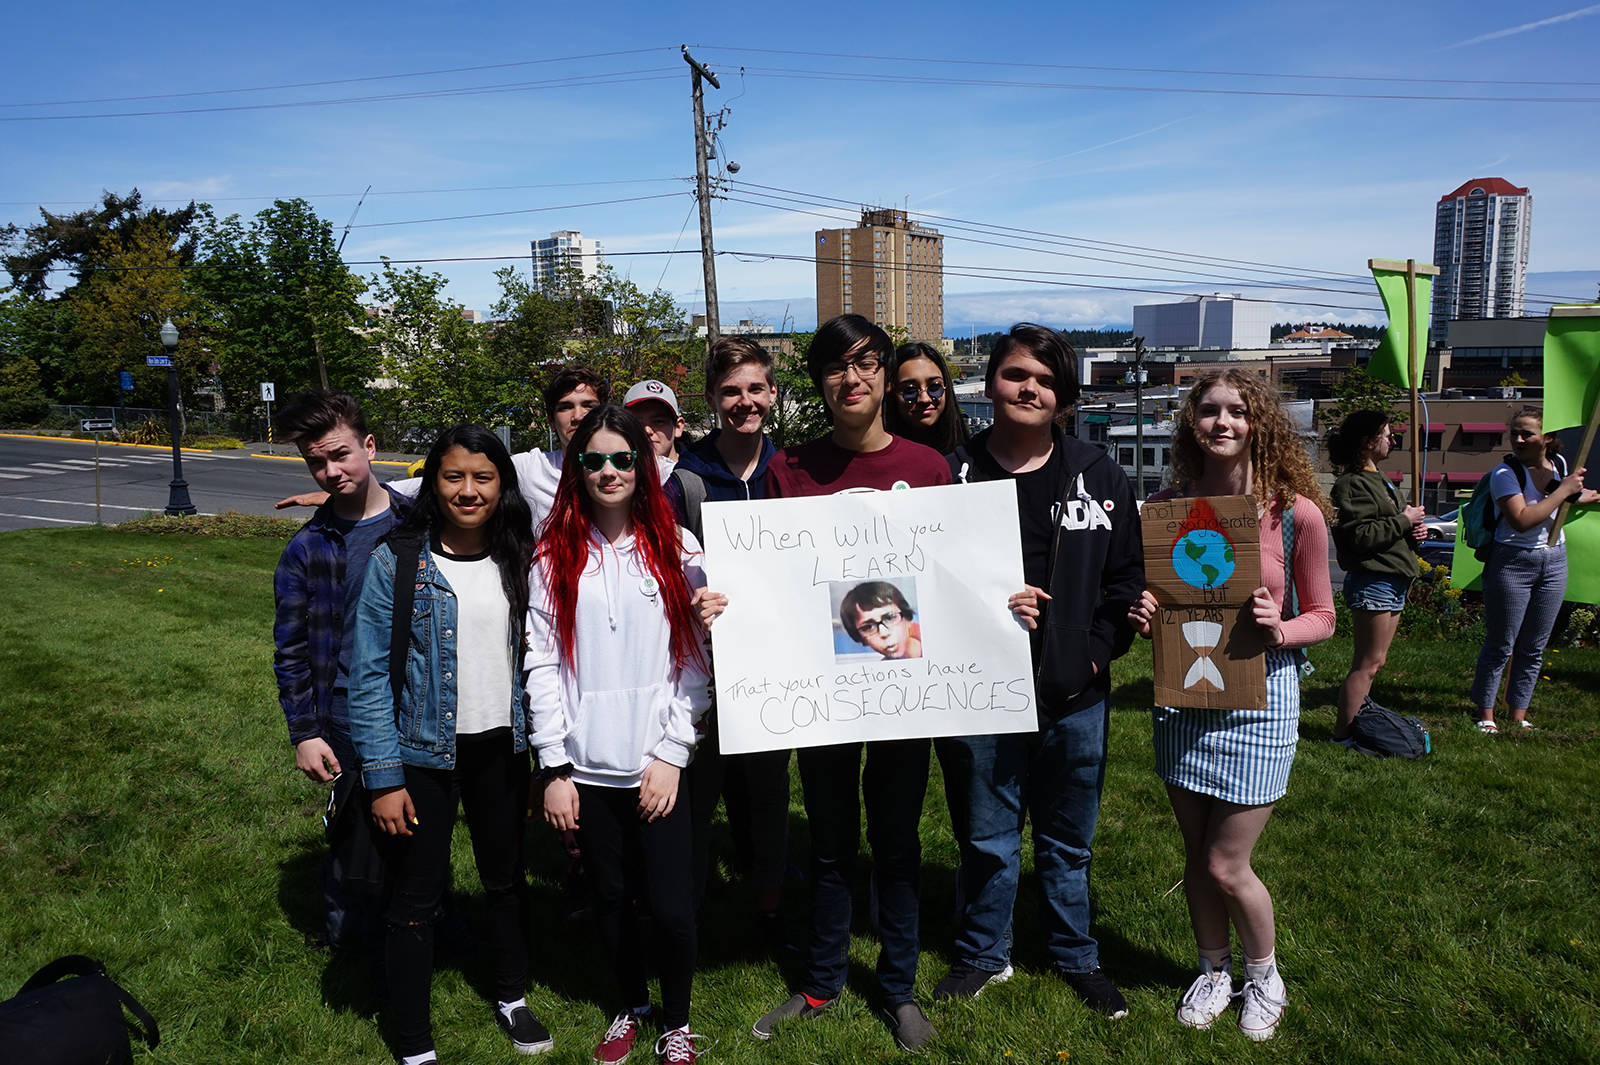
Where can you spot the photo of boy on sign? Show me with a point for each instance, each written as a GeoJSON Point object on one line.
{"type": "Point", "coordinates": [877, 615]}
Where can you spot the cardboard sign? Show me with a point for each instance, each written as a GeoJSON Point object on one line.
{"type": "Point", "coordinates": [868, 616]}
{"type": "Point", "coordinates": [1202, 559]}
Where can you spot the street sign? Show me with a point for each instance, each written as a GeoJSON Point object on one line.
{"type": "Point", "coordinates": [98, 425]}
{"type": "Point", "coordinates": [157, 360]}
{"type": "Point", "coordinates": [268, 392]}
{"type": "Point", "coordinates": [127, 381]}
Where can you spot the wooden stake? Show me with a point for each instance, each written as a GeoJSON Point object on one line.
{"type": "Point", "coordinates": [1583, 453]}
{"type": "Point", "coordinates": [1419, 432]}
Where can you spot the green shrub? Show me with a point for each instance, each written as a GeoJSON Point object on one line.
{"type": "Point", "coordinates": [229, 526]}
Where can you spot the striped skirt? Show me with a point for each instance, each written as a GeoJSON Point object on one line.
{"type": "Point", "coordinates": [1239, 756]}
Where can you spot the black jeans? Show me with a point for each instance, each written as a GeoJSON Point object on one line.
{"type": "Point", "coordinates": [491, 782]}
{"type": "Point", "coordinates": [626, 859]}
{"type": "Point", "coordinates": [754, 789]}
{"type": "Point", "coordinates": [893, 785]}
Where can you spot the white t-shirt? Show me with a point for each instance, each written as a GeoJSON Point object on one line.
{"type": "Point", "coordinates": [482, 638]}
{"type": "Point", "coordinates": [1503, 483]}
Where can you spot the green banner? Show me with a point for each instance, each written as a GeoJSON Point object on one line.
{"type": "Point", "coordinates": [1391, 362]}
{"type": "Point", "coordinates": [1582, 532]}
{"type": "Point", "coordinates": [1571, 369]}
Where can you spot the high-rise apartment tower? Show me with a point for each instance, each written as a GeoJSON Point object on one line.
{"type": "Point", "coordinates": [1480, 244]}
{"type": "Point", "coordinates": [565, 251]}
{"type": "Point", "coordinates": [888, 269]}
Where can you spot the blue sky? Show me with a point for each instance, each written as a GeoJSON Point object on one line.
{"type": "Point", "coordinates": [1305, 181]}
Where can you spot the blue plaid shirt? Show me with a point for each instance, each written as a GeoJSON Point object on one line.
{"type": "Point", "coordinates": [308, 587]}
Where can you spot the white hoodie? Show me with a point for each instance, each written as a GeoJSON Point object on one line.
{"type": "Point", "coordinates": [623, 703]}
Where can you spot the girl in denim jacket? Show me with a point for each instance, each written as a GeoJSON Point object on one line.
{"type": "Point", "coordinates": [617, 682]}
{"type": "Point", "coordinates": [457, 732]}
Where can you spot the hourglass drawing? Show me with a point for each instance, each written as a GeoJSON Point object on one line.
{"type": "Point", "coordinates": [1203, 637]}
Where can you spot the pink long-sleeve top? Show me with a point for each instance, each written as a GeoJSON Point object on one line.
{"type": "Point", "coordinates": [1315, 621]}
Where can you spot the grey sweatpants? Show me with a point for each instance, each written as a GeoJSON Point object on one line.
{"type": "Point", "coordinates": [1522, 592]}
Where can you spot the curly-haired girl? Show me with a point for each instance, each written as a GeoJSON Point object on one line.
{"type": "Point", "coordinates": [1224, 769]}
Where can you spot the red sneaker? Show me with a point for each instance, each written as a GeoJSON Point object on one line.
{"type": "Point", "coordinates": [617, 1043]}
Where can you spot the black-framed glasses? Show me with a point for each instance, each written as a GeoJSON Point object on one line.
{"type": "Point", "coordinates": [865, 367]}
{"type": "Point", "coordinates": [879, 625]}
{"type": "Point", "coordinates": [595, 461]}
{"type": "Point", "coordinates": [910, 390]}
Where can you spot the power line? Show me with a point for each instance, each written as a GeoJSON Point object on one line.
{"type": "Point", "coordinates": [925, 60]}
{"type": "Point", "coordinates": [335, 81]}
{"type": "Point", "coordinates": [524, 210]}
{"type": "Point", "coordinates": [351, 195]}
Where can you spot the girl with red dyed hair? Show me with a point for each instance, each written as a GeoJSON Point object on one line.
{"type": "Point", "coordinates": [617, 684]}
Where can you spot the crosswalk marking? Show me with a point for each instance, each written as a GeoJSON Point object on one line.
{"type": "Point", "coordinates": [28, 471]}
{"type": "Point", "coordinates": [13, 476]}
{"type": "Point", "coordinates": [55, 467]}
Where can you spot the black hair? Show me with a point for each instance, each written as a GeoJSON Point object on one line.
{"type": "Point", "coordinates": [836, 338]}
{"type": "Point", "coordinates": [510, 528]}
{"type": "Point", "coordinates": [571, 378]}
{"type": "Point", "coordinates": [314, 414]}
{"type": "Point", "coordinates": [619, 420]}
{"type": "Point", "coordinates": [868, 596]}
{"type": "Point", "coordinates": [950, 430]}
{"type": "Point", "coordinates": [1347, 444]}
{"type": "Point", "coordinates": [1050, 348]}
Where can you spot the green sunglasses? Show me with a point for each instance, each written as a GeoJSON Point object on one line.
{"type": "Point", "coordinates": [595, 461]}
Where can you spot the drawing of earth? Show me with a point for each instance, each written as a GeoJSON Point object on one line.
{"type": "Point", "coordinates": [1203, 558]}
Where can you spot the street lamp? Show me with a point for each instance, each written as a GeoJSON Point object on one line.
{"type": "Point", "coordinates": [178, 491]}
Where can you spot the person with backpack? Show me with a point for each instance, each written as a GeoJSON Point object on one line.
{"type": "Point", "coordinates": [1083, 563]}
{"type": "Point", "coordinates": [730, 463]}
{"type": "Point", "coordinates": [1225, 769]}
{"type": "Point", "coordinates": [1372, 533]}
{"type": "Point", "coordinates": [1525, 577]}
{"type": "Point", "coordinates": [617, 683]}
{"type": "Point", "coordinates": [437, 718]}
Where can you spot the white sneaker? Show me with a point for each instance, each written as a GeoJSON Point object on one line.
{"type": "Point", "coordinates": [1264, 1002]}
{"type": "Point", "coordinates": [1206, 998]}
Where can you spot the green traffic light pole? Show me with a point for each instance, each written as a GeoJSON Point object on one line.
{"type": "Point", "coordinates": [178, 491]}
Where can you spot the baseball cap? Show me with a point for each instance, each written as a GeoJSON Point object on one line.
{"type": "Point", "coordinates": [651, 389]}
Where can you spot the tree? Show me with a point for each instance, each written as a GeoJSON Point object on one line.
{"type": "Point", "coordinates": [118, 313]}
{"type": "Point", "coordinates": [86, 239]}
{"type": "Point", "coordinates": [799, 414]}
{"type": "Point", "coordinates": [1358, 390]}
{"type": "Point", "coordinates": [435, 368]}
{"type": "Point", "coordinates": [279, 303]}
{"type": "Point", "coordinates": [36, 343]}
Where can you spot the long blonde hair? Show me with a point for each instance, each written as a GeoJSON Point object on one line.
{"type": "Point", "coordinates": [1279, 462]}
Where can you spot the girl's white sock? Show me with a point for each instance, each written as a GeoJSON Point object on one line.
{"type": "Point", "coordinates": [1260, 968]}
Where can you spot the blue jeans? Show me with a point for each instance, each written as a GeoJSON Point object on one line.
{"type": "Point", "coordinates": [993, 784]}
{"type": "Point", "coordinates": [1522, 592]}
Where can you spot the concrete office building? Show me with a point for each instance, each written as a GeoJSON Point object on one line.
{"type": "Point", "coordinates": [887, 269]}
{"type": "Point", "coordinates": [1480, 245]}
{"type": "Point", "coordinates": [1218, 321]}
{"type": "Point", "coordinates": [565, 251]}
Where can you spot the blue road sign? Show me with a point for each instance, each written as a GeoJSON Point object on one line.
{"type": "Point", "coordinates": [127, 381]}
{"type": "Point", "coordinates": [157, 360]}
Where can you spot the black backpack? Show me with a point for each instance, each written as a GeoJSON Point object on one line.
{"type": "Point", "coordinates": [73, 1021]}
{"type": "Point", "coordinates": [1382, 733]}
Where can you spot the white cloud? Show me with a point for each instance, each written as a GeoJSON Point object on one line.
{"type": "Point", "coordinates": [1537, 24]}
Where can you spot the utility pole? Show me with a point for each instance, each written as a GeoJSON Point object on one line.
{"type": "Point", "coordinates": [702, 177]}
{"type": "Point", "coordinates": [1138, 418]}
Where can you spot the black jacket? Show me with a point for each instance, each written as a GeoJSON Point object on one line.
{"type": "Point", "coordinates": [1096, 570]}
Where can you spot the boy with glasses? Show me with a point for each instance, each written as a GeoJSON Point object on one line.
{"type": "Point", "coordinates": [846, 361]}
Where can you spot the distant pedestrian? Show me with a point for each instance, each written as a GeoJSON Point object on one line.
{"type": "Point", "coordinates": [1373, 533]}
{"type": "Point", "coordinates": [1525, 578]}
{"type": "Point", "coordinates": [1224, 769]}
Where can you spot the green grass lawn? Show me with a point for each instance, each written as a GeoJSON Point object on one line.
{"type": "Point", "coordinates": [150, 815]}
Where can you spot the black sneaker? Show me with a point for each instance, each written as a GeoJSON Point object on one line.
{"type": "Point", "coordinates": [1098, 992]}
{"type": "Point", "coordinates": [968, 981]}
{"type": "Point", "coordinates": [527, 1035]}
{"type": "Point", "coordinates": [795, 1007]}
{"type": "Point", "coordinates": [910, 1027]}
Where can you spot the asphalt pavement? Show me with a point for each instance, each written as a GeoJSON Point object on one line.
{"type": "Point", "coordinates": [49, 482]}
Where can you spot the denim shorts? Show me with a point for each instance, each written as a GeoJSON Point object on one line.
{"type": "Point", "coordinates": [1375, 591]}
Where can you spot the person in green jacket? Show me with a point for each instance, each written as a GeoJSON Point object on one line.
{"type": "Point", "coordinates": [1372, 533]}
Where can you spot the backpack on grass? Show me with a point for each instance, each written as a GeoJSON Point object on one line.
{"type": "Point", "coordinates": [73, 1021]}
{"type": "Point", "coordinates": [1382, 733]}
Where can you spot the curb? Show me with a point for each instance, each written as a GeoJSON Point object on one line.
{"type": "Point", "coordinates": [116, 443]}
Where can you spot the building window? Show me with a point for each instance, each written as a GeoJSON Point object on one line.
{"type": "Point", "coordinates": [1125, 456]}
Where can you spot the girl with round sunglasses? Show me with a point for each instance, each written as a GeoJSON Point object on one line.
{"type": "Point", "coordinates": [922, 405]}
{"type": "Point", "coordinates": [454, 731]}
{"type": "Point", "coordinates": [617, 684]}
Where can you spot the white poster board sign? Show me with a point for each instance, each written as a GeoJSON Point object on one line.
{"type": "Point", "coordinates": [868, 616]}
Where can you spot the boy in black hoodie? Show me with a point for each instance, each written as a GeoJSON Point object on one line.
{"type": "Point", "coordinates": [1082, 558]}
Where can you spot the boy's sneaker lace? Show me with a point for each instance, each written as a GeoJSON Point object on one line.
{"type": "Point", "coordinates": [617, 1043]}
{"type": "Point", "coordinates": [968, 981]}
{"type": "Point", "coordinates": [1206, 998]}
{"type": "Point", "coordinates": [677, 1047]}
{"type": "Point", "coordinates": [1264, 1003]}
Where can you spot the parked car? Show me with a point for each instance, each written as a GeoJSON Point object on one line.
{"type": "Point", "coordinates": [1436, 552]}
{"type": "Point", "coordinates": [1442, 526]}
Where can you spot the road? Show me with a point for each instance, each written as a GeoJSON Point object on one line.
{"type": "Point", "coordinates": [49, 483]}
